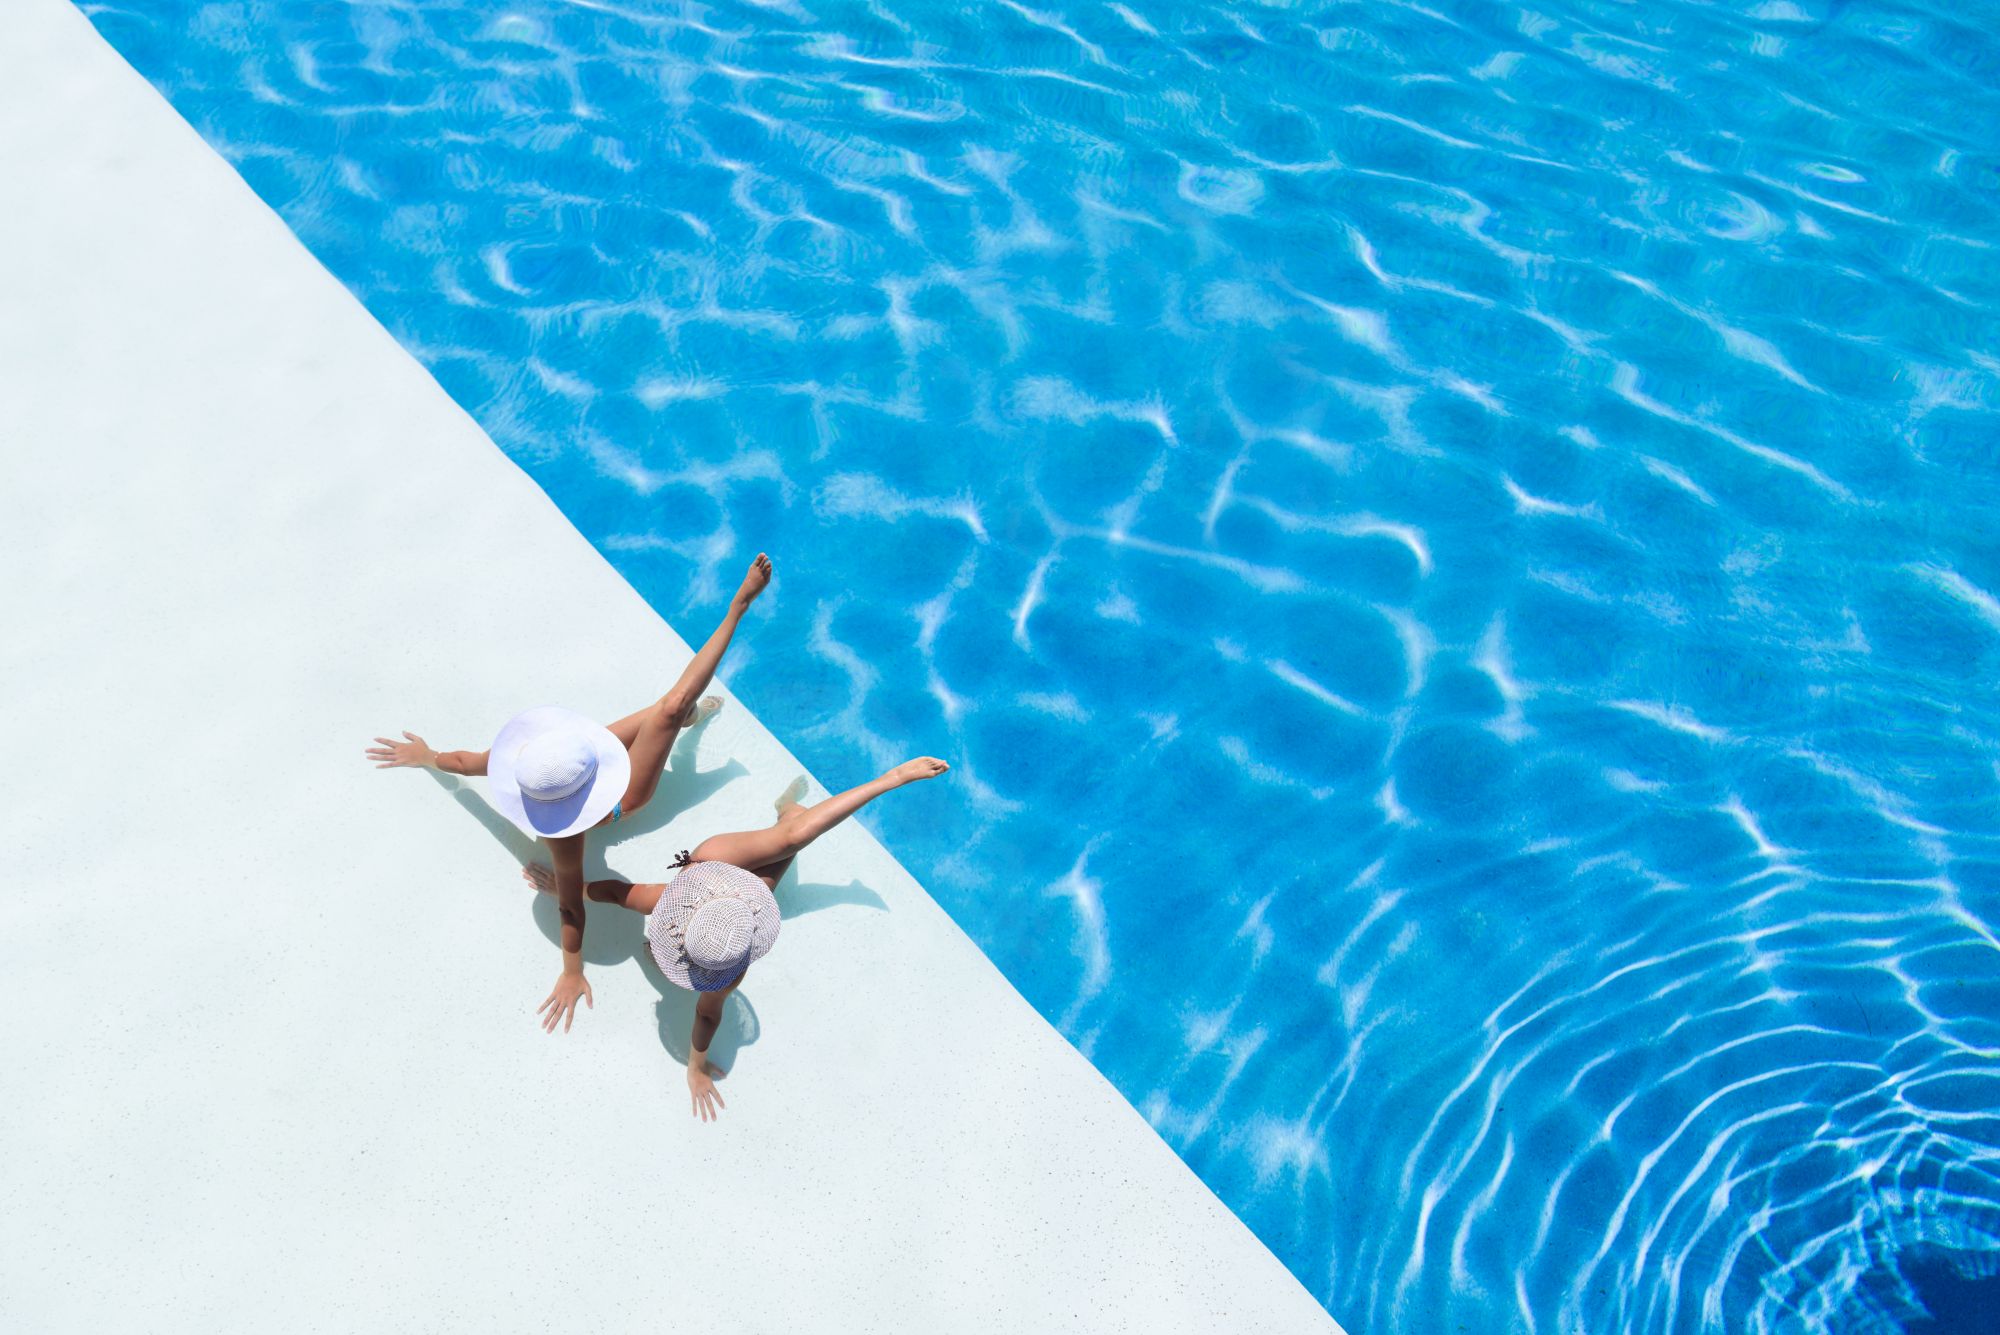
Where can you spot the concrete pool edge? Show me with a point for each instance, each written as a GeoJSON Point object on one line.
{"type": "Point", "coordinates": [260, 534]}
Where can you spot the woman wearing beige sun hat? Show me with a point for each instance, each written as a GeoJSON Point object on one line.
{"type": "Point", "coordinates": [717, 917]}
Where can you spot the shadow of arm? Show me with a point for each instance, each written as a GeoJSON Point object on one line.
{"type": "Point", "coordinates": [524, 849]}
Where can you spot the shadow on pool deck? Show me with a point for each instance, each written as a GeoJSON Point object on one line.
{"type": "Point", "coordinates": [614, 935]}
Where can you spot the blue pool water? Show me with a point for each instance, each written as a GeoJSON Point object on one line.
{"type": "Point", "coordinates": [1452, 548]}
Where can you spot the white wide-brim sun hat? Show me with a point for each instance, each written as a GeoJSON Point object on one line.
{"type": "Point", "coordinates": [712, 922]}
{"type": "Point", "coordinates": [554, 772]}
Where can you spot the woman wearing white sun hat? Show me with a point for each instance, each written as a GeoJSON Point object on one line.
{"type": "Point", "coordinates": [557, 775]}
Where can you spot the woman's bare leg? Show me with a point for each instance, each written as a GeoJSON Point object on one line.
{"type": "Point", "coordinates": [786, 803]}
{"type": "Point", "coordinates": [767, 853]}
{"type": "Point", "coordinates": [653, 730]}
{"type": "Point", "coordinates": [626, 729]}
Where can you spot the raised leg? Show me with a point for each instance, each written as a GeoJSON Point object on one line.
{"type": "Point", "coordinates": [768, 852]}
{"type": "Point", "coordinates": [649, 734]}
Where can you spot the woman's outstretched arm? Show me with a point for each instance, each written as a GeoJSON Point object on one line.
{"type": "Point", "coordinates": [417, 753]}
{"type": "Point", "coordinates": [641, 898]}
{"type": "Point", "coordinates": [707, 1099]}
{"type": "Point", "coordinates": [560, 1004]}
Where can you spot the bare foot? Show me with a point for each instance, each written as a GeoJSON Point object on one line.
{"type": "Point", "coordinates": [755, 581]}
{"type": "Point", "coordinates": [701, 711]}
{"type": "Point", "coordinates": [538, 875]}
{"type": "Point", "coordinates": [788, 801]}
{"type": "Point", "coordinates": [916, 771]}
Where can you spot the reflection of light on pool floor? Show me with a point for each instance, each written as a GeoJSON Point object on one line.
{"type": "Point", "coordinates": [1450, 574]}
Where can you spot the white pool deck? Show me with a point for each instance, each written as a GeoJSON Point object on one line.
{"type": "Point", "coordinates": [269, 1049]}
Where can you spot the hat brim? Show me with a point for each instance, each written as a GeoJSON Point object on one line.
{"type": "Point", "coordinates": [581, 809]}
{"type": "Point", "coordinates": [698, 883]}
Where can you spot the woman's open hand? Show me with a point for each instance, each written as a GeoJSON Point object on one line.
{"type": "Point", "coordinates": [394, 755]}
{"type": "Point", "coordinates": [561, 1003]}
{"type": "Point", "coordinates": [707, 1098]}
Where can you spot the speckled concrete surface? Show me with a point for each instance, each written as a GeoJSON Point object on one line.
{"type": "Point", "coordinates": [269, 1042]}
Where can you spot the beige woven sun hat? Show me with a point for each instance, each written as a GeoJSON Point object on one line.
{"type": "Point", "coordinates": [712, 922]}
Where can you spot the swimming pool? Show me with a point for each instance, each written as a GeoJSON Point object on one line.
{"type": "Point", "coordinates": [1447, 546]}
